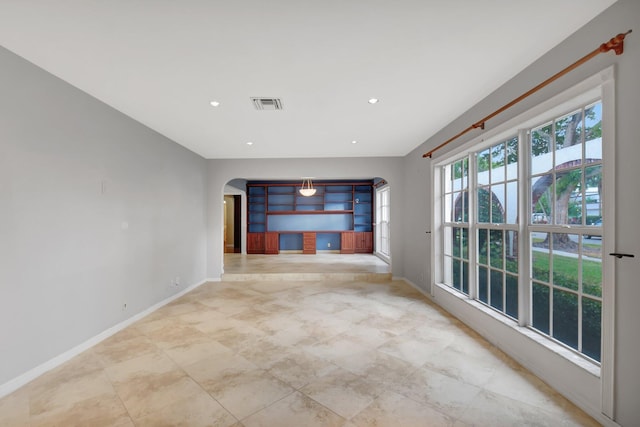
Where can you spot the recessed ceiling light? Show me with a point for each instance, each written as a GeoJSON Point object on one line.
{"type": "Point", "coordinates": [249, 143]}
{"type": "Point", "coordinates": [354, 142]}
{"type": "Point", "coordinates": [373, 101]}
{"type": "Point", "coordinates": [214, 103]}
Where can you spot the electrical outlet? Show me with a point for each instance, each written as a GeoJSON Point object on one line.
{"type": "Point", "coordinates": [177, 281]}
{"type": "Point", "coordinates": [329, 244]}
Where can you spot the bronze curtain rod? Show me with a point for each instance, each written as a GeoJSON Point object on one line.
{"type": "Point", "coordinates": [616, 44]}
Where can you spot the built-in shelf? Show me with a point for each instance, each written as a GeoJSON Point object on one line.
{"type": "Point", "coordinates": [335, 208]}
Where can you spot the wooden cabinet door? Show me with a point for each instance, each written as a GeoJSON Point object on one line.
{"type": "Point", "coordinates": [347, 242]}
{"type": "Point", "coordinates": [271, 243]}
{"type": "Point", "coordinates": [364, 242]}
{"type": "Point", "coordinates": [308, 243]}
{"type": "Point", "coordinates": [255, 243]}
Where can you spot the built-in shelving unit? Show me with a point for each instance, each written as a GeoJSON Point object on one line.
{"type": "Point", "coordinates": [337, 207]}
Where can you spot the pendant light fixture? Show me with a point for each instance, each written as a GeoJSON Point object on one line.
{"type": "Point", "coordinates": [307, 189]}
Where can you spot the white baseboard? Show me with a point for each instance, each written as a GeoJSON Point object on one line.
{"type": "Point", "coordinates": [21, 380]}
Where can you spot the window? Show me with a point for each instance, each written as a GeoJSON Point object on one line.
{"type": "Point", "coordinates": [541, 182]}
{"type": "Point", "coordinates": [456, 226]}
{"type": "Point", "coordinates": [383, 208]}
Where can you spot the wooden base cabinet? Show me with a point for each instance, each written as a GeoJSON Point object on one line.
{"type": "Point", "coordinates": [308, 243]}
{"type": "Point", "coordinates": [255, 243]}
{"type": "Point", "coordinates": [363, 242]}
{"type": "Point", "coordinates": [347, 242]}
{"type": "Point", "coordinates": [271, 243]}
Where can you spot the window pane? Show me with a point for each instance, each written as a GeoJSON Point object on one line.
{"type": "Point", "coordinates": [484, 204]}
{"type": "Point", "coordinates": [448, 207]}
{"type": "Point", "coordinates": [498, 163]}
{"type": "Point", "coordinates": [541, 158]}
{"type": "Point", "coordinates": [593, 132]}
{"type": "Point", "coordinates": [465, 277]}
{"type": "Point", "coordinates": [464, 242]}
{"type": "Point", "coordinates": [512, 158]}
{"type": "Point", "coordinates": [496, 289]}
{"type": "Point", "coordinates": [541, 196]}
{"type": "Point", "coordinates": [568, 210]}
{"type": "Point", "coordinates": [511, 251]}
{"type": "Point", "coordinates": [566, 266]}
{"type": "Point", "coordinates": [495, 248]}
{"type": "Point", "coordinates": [540, 256]}
{"type": "Point", "coordinates": [465, 206]}
{"type": "Point", "coordinates": [591, 327]}
{"type": "Point", "coordinates": [456, 277]}
{"type": "Point", "coordinates": [565, 317]}
{"type": "Point", "coordinates": [483, 285]}
{"type": "Point", "coordinates": [497, 202]}
{"type": "Point", "coordinates": [540, 307]}
{"type": "Point", "coordinates": [483, 245]}
{"type": "Point", "coordinates": [592, 267]}
{"type": "Point", "coordinates": [512, 202]}
{"type": "Point", "coordinates": [568, 131]}
{"type": "Point", "coordinates": [456, 238]}
{"type": "Point", "coordinates": [456, 176]}
{"type": "Point", "coordinates": [512, 296]}
{"type": "Point", "coordinates": [483, 167]}
{"type": "Point", "coordinates": [592, 194]}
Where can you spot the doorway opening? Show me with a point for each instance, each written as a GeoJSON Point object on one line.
{"type": "Point", "coordinates": [232, 224]}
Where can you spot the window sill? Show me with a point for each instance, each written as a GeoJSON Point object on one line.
{"type": "Point", "coordinates": [548, 343]}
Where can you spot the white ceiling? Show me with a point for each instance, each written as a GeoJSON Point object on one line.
{"type": "Point", "coordinates": [162, 61]}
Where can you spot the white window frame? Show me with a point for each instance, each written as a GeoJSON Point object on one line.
{"type": "Point", "coordinates": [600, 86]}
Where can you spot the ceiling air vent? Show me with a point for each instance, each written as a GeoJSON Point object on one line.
{"type": "Point", "coordinates": [267, 103]}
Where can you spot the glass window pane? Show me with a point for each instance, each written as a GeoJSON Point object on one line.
{"type": "Point", "coordinates": [540, 307]}
{"type": "Point", "coordinates": [483, 167]}
{"type": "Point", "coordinates": [512, 202]}
{"type": "Point", "coordinates": [592, 267]}
{"type": "Point", "coordinates": [498, 163]}
{"type": "Point", "coordinates": [465, 173]}
{"type": "Point", "coordinates": [568, 131]}
{"type": "Point", "coordinates": [497, 204]}
{"type": "Point", "coordinates": [458, 206]}
{"type": "Point", "coordinates": [456, 277]}
{"type": "Point", "coordinates": [496, 289]}
{"type": "Point", "coordinates": [512, 296]}
{"type": "Point", "coordinates": [593, 194]}
{"type": "Point", "coordinates": [484, 204]}
{"type": "Point", "coordinates": [565, 317]}
{"type": "Point", "coordinates": [496, 243]}
{"type": "Point", "coordinates": [465, 206]}
{"type": "Point", "coordinates": [541, 196]}
{"type": "Point", "coordinates": [566, 265]}
{"type": "Point", "coordinates": [540, 255]}
{"type": "Point", "coordinates": [593, 131]}
{"type": "Point", "coordinates": [483, 245]}
{"type": "Point", "coordinates": [568, 210]}
{"type": "Point", "coordinates": [511, 251]}
{"type": "Point", "coordinates": [465, 277]}
{"type": "Point", "coordinates": [512, 158]}
{"type": "Point", "coordinates": [448, 241]}
{"type": "Point", "coordinates": [464, 242]}
{"type": "Point", "coordinates": [456, 237]}
{"type": "Point", "coordinates": [541, 157]}
{"type": "Point", "coordinates": [591, 327]}
{"type": "Point", "coordinates": [483, 285]}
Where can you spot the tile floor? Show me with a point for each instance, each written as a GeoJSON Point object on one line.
{"type": "Point", "coordinates": [292, 353]}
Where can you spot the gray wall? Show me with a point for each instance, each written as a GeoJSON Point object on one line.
{"type": "Point", "coordinates": [96, 211]}
{"type": "Point", "coordinates": [223, 171]}
{"type": "Point", "coordinates": [622, 16]}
